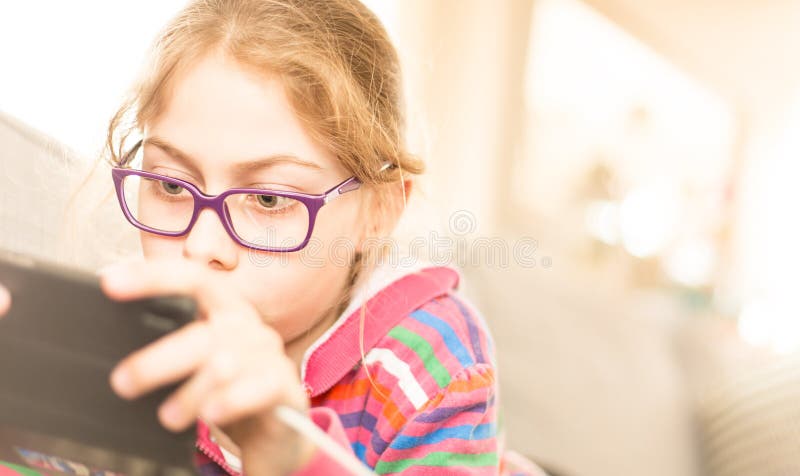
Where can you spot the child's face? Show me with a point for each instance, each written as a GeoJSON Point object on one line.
{"type": "Point", "coordinates": [220, 117]}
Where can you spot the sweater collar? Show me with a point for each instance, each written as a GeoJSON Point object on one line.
{"type": "Point", "coordinates": [399, 292]}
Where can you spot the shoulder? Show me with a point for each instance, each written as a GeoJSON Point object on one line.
{"type": "Point", "coordinates": [441, 344]}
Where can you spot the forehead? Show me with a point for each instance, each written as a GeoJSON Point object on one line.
{"type": "Point", "coordinates": [221, 113]}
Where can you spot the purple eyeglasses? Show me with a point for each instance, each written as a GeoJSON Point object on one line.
{"type": "Point", "coordinates": [264, 220]}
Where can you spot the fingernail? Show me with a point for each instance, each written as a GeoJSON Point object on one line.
{"type": "Point", "coordinates": [121, 382]}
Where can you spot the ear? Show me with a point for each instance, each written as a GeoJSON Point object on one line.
{"type": "Point", "coordinates": [382, 209]}
{"type": "Point", "coordinates": [396, 201]}
{"type": "Point", "coordinates": [399, 202]}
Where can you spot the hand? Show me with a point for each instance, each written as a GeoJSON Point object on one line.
{"type": "Point", "coordinates": [5, 300]}
{"type": "Point", "coordinates": [234, 363]}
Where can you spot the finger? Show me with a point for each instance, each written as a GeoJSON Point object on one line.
{"type": "Point", "coordinates": [165, 361]}
{"type": "Point", "coordinates": [126, 281]}
{"type": "Point", "coordinates": [247, 396]}
{"type": "Point", "coordinates": [5, 301]}
{"type": "Point", "coordinates": [183, 407]}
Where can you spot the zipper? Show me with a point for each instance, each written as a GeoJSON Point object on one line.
{"type": "Point", "coordinates": [215, 458]}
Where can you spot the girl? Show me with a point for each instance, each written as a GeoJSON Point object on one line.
{"type": "Point", "coordinates": [262, 158]}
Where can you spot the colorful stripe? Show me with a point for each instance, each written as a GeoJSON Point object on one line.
{"type": "Point", "coordinates": [438, 459]}
{"type": "Point", "coordinates": [435, 352]}
{"type": "Point", "coordinates": [449, 336]}
{"type": "Point", "coordinates": [363, 419]}
{"type": "Point", "coordinates": [474, 333]}
{"type": "Point", "coordinates": [425, 352]}
{"type": "Point", "coordinates": [463, 432]}
{"type": "Point", "coordinates": [444, 413]}
{"type": "Point", "coordinates": [402, 372]}
{"type": "Point", "coordinates": [11, 469]}
{"type": "Point", "coordinates": [360, 451]}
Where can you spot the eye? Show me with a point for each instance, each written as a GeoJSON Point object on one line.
{"type": "Point", "coordinates": [268, 201]}
{"type": "Point", "coordinates": [171, 188]}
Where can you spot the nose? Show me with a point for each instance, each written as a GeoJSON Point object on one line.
{"type": "Point", "coordinates": [208, 243]}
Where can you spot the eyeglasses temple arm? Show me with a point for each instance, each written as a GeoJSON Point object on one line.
{"type": "Point", "coordinates": [353, 183]}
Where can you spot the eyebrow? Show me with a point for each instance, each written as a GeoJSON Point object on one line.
{"type": "Point", "coordinates": [239, 168]}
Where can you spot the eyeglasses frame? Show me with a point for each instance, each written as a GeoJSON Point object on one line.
{"type": "Point", "coordinates": [312, 202]}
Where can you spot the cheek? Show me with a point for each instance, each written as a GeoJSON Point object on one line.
{"type": "Point", "coordinates": [340, 222]}
{"type": "Point", "coordinates": [297, 289]}
{"type": "Point", "coordinates": [292, 292]}
{"type": "Point", "coordinates": [154, 246]}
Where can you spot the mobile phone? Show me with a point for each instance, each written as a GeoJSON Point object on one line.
{"type": "Point", "coordinates": [58, 344]}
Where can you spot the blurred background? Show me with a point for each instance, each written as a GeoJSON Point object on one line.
{"type": "Point", "coordinates": [627, 171]}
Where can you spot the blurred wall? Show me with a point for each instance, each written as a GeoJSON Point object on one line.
{"type": "Point", "coordinates": [590, 385]}
{"type": "Point", "coordinates": [464, 64]}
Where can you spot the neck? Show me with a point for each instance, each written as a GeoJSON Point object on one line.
{"type": "Point", "coordinates": [296, 348]}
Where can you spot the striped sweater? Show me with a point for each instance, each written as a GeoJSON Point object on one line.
{"type": "Point", "coordinates": [423, 399]}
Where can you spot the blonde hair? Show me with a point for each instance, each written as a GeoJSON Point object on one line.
{"type": "Point", "coordinates": [340, 71]}
{"type": "Point", "coordinates": [334, 57]}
